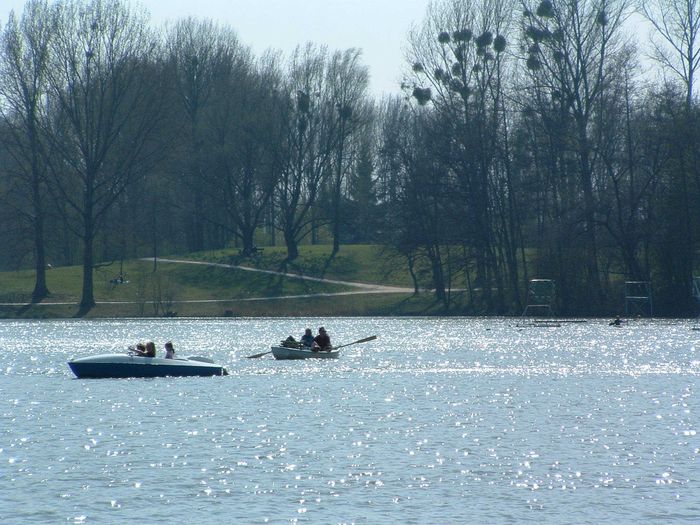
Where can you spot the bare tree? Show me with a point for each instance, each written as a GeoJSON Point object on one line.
{"type": "Point", "coordinates": [348, 81]}
{"type": "Point", "coordinates": [629, 180]}
{"type": "Point", "coordinates": [571, 47]}
{"type": "Point", "coordinates": [360, 217]}
{"type": "Point", "coordinates": [245, 133]}
{"type": "Point", "coordinates": [675, 45]}
{"type": "Point", "coordinates": [197, 51]}
{"type": "Point", "coordinates": [675, 40]}
{"type": "Point", "coordinates": [311, 137]}
{"type": "Point", "coordinates": [459, 60]}
{"type": "Point", "coordinates": [105, 110]}
{"type": "Point", "coordinates": [24, 58]}
{"type": "Point", "coordinates": [424, 228]}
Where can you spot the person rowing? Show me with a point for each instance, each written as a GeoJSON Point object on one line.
{"type": "Point", "coordinates": [323, 341]}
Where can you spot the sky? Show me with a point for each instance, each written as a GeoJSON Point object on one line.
{"type": "Point", "coordinates": [378, 27]}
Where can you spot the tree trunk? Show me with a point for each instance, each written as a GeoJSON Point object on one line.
{"type": "Point", "coordinates": [88, 299]}
{"type": "Point", "coordinates": [292, 246]}
{"type": "Point", "coordinates": [41, 291]}
{"type": "Point", "coordinates": [248, 238]}
{"type": "Point", "coordinates": [592, 274]}
{"type": "Point", "coordinates": [337, 193]}
{"type": "Point", "coordinates": [438, 275]}
{"type": "Point", "coordinates": [411, 259]}
{"type": "Point", "coordinates": [336, 229]}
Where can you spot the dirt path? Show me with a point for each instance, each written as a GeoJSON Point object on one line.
{"type": "Point", "coordinates": [362, 288]}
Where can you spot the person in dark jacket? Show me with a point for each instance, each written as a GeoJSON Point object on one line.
{"type": "Point", "coordinates": [323, 340]}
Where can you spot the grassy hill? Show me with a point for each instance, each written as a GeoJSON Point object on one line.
{"type": "Point", "coordinates": [199, 290]}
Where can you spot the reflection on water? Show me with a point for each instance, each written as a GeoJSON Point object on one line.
{"type": "Point", "coordinates": [437, 421]}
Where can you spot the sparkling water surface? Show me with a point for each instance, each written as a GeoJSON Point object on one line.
{"type": "Point", "coordinates": [440, 420]}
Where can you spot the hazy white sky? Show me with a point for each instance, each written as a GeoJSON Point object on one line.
{"type": "Point", "coordinates": [378, 27]}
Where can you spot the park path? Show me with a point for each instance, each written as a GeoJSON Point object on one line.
{"type": "Point", "coordinates": [361, 288]}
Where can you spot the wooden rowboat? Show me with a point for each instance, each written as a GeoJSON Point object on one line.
{"type": "Point", "coordinates": [284, 352]}
{"type": "Point", "coordinates": [294, 350]}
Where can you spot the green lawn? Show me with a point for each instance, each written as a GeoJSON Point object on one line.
{"type": "Point", "coordinates": [357, 263]}
{"type": "Point", "coordinates": [169, 287]}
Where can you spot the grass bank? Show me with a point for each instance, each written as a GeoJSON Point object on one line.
{"type": "Point", "coordinates": [184, 290]}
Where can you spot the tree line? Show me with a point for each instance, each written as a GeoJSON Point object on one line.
{"type": "Point", "coordinates": [533, 139]}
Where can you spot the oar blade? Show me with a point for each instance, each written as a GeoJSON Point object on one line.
{"type": "Point", "coordinates": [255, 356]}
{"type": "Point", "coordinates": [365, 340]}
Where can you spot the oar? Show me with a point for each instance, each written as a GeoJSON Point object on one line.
{"type": "Point", "coordinates": [259, 355]}
{"type": "Point", "coordinates": [366, 339]}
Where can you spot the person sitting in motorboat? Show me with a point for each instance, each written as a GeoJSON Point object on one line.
{"type": "Point", "coordinates": [169, 351]}
{"type": "Point", "coordinates": [323, 340]}
{"type": "Point", "coordinates": [150, 349]}
{"type": "Point", "coordinates": [139, 349]}
{"type": "Point", "coordinates": [308, 338]}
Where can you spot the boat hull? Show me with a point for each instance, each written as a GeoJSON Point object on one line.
{"type": "Point", "coordinates": [283, 352]}
{"type": "Point", "coordinates": [124, 365]}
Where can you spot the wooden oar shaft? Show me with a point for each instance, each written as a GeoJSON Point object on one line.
{"type": "Point", "coordinates": [258, 355]}
{"type": "Point", "coordinates": [365, 340]}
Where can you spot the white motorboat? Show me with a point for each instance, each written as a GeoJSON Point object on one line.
{"type": "Point", "coordinates": [132, 365]}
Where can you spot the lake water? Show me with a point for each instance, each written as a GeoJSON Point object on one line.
{"type": "Point", "coordinates": [437, 421]}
